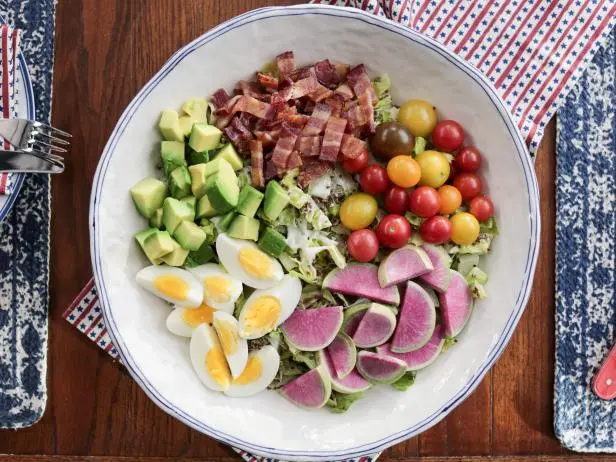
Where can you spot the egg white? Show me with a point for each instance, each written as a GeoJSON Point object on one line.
{"type": "Point", "coordinates": [266, 361]}
{"type": "Point", "coordinates": [212, 270]}
{"type": "Point", "coordinates": [234, 347]}
{"type": "Point", "coordinates": [205, 346]}
{"type": "Point", "coordinates": [149, 276]}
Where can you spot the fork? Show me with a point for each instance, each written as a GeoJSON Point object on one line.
{"type": "Point", "coordinates": [36, 138]}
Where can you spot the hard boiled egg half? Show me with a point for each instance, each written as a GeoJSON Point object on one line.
{"type": "Point", "coordinates": [183, 321]}
{"type": "Point", "coordinates": [266, 309]}
{"type": "Point", "coordinates": [220, 290]}
{"type": "Point", "coordinates": [260, 370]}
{"type": "Point", "coordinates": [175, 285]}
{"type": "Point", "coordinates": [246, 262]}
{"type": "Point", "coordinates": [208, 358]}
{"type": "Point", "coordinates": [234, 347]}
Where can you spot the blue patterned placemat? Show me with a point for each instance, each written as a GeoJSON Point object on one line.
{"type": "Point", "coordinates": [24, 242]}
{"type": "Point", "coordinates": [586, 255]}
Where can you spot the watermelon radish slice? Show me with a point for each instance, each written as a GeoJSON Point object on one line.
{"type": "Point", "coordinates": [352, 383]}
{"type": "Point", "coordinates": [310, 390]}
{"type": "Point", "coordinates": [352, 316]}
{"type": "Point", "coordinates": [421, 358]}
{"type": "Point", "coordinates": [312, 329]}
{"type": "Point", "coordinates": [361, 280]}
{"type": "Point", "coordinates": [375, 327]}
{"type": "Point", "coordinates": [379, 368]}
{"type": "Point", "coordinates": [403, 264]}
{"type": "Point", "coordinates": [439, 277]}
{"type": "Point", "coordinates": [343, 355]}
{"type": "Point", "coordinates": [416, 321]}
{"type": "Point", "coordinates": [456, 305]}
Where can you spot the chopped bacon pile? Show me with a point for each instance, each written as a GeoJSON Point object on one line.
{"type": "Point", "coordinates": [308, 117]}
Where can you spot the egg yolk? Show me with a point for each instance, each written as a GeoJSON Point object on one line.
{"type": "Point", "coordinates": [217, 288]}
{"type": "Point", "coordinates": [172, 286]}
{"type": "Point", "coordinates": [262, 315]}
{"type": "Point", "coordinates": [196, 316]}
{"type": "Point", "coordinates": [251, 373]}
{"type": "Point", "coordinates": [255, 263]}
{"type": "Point", "coordinates": [216, 365]}
{"type": "Point", "coordinates": [228, 336]}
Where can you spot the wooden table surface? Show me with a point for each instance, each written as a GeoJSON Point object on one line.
{"type": "Point", "coordinates": [106, 50]}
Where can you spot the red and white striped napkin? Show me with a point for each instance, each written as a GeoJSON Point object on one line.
{"type": "Point", "coordinates": [532, 51]}
{"type": "Point", "coordinates": [9, 50]}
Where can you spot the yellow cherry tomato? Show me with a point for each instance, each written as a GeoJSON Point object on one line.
{"type": "Point", "coordinates": [418, 116]}
{"type": "Point", "coordinates": [464, 228]}
{"type": "Point", "coordinates": [358, 211]}
{"type": "Point", "coordinates": [451, 199]}
{"type": "Point", "coordinates": [403, 171]}
{"type": "Point", "coordinates": [434, 168]}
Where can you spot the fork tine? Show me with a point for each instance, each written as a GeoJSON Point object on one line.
{"type": "Point", "coordinates": [51, 129]}
{"type": "Point", "coordinates": [45, 155]}
{"type": "Point", "coordinates": [53, 139]}
{"type": "Point", "coordinates": [51, 146]}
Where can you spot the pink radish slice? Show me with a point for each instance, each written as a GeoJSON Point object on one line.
{"type": "Point", "coordinates": [421, 358]}
{"type": "Point", "coordinates": [343, 355]}
{"type": "Point", "coordinates": [312, 329]}
{"type": "Point", "coordinates": [416, 321]}
{"type": "Point", "coordinates": [403, 264]}
{"type": "Point", "coordinates": [439, 277]}
{"type": "Point", "coordinates": [456, 305]}
{"type": "Point", "coordinates": [310, 390]}
{"type": "Point", "coordinates": [361, 280]}
{"type": "Point", "coordinates": [375, 327]}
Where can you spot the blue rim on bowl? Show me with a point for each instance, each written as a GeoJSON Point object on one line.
{"type": "Point", "coordinates": [497, 348]}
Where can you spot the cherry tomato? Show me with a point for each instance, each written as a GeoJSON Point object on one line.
{"type": "Point", "coordinates": [434, 168]}
{"type": "Point", "coordinates": [451, 199]}
{"type": "Point", "coordinates": [448, 135]}
{"type": "Point", "coordinates": [373, 179]}
{"type": "Point", "coordinates": [363, 245]}
{"type": "Point", "coordinates": [465, 228]}
{"type": "Point", "coordinates": [394, 231]}
{"type": "Point", "coordinates": [425, 201]}
{"type": "Point", "coordinates": [418, 116]}
{"type": "Point", "coordinates": [482, 207]}
{"type": "Point", "coordinates": [391, 139]}
{"type": "Point", "coordinates": [436, 230]}
{"type": "Point", "coordinates": [468, 159]}
{"type": "Point", "coordinates": [453, 172]}
{"type": "Point", "coordinates": [469, 185]}
{"type": "Point", "coordinates": [357, 164]}
{"type": "Point", "coordinates": [403, 171]}
{"type": "Point", "coordinates": [358, 211]}
{"type": "Point", "coordinates": [396, 200]}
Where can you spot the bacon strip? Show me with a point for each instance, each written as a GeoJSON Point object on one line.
{"type": "Point", "coordinates": [294, 160]}
{"type": "Point", "coordinates": [285, 63]}
{"type": "Point", "coordinates": [300, 88]}
{"type": "Point", "coordinates": [309, 146]}
{"type": "Point", "coordinates": [326, 73]}
{"type": "Point", "coordinates": [239, 135]}
{"type": "Point", "coordinates": [366, 105]}
{"type": "Point", "coordinates": [342, 70]}
{"type": "Point", "coordinates": [320, 93]}
{"type": "Point", "coordinates": [360, 82]}
{"type": "Point", "coordinates": [318, 119]}
{"type": "Point", "coordinates": [336, 102]}
{"type": "Point", "coordinates": [355, 114]}
{"type": "Point", "coordinates": [334, 130]}
{"type": "Point", "coordinates": [268, 139]}
{"type": "Point", "coordinates": [271, 171]}
{"type": "Point", "coordinates": [345, 91]}
{"type": "Point", "coordinates": [268, 82]}
{"type": "Point", "coordinates": [256, 164]}
{"type": "Point", "coordinates": [302, 73]}
{"type": "Point", "coordinates": [352, 147]}
{"type": "Point", "coordinates": [312, 170]}
{"type": "Point", "coordinates": [284, 147]}
{"type": "Point", "coordinates": [219, 98]}
{"type": "Point", "coordinates": [255, 107]}
{"type": "Point", "coordinates": [253, 89]}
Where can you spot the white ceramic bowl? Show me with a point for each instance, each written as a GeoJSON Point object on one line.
{"type": "Point", "coordinates": [266, 424]}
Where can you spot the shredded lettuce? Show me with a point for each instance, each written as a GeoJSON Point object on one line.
{"type": "Point", "coordinates": [243, 177]}
{"type": "Point", "coordinates": [404, 382]}
{"type": "Point", "coordinates": [449, 342]}
{"type": "Point", "coordinates": [341, 402]}
{"type": "Point", "coordinates": [381, 85]}
{"type": "Point", "coordinates": [210, 230]}
{"type": "Point", "coordinates": [297, 197]}
{"type": "Point", "coordinates": [321, 187]}
{"type": "Point", "coordinates": [413, 219]}
{"type": "Point", "coordinates": [476, 278]}
{"type": "Point", "coordinates": [290, 178]}
{"type": "Point", "coordinates": [420, 144]}
{"type": "Point", "coordinates": [383, 110]}
{"type": "Point", "coordinates": [489, 227]}
{"type": "Point", "coordinates": [293, 362]}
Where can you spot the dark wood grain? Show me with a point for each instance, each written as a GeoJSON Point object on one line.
{"type": "Point", "coordinates": [106, 50]}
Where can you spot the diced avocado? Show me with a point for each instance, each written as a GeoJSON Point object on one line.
{"type": "Point", "coordinates": [172, 155]}
{"type": "Point", "coordinates": [177, 257]}
{"type": "Point", "coordinates": [156, 220]}
{"type": "Point", "coordinates": [174, 212]}
{"type": "Point", "coordinates": [204, 137]}
{"type": "Point", "coordinates": [148, 195]}
{"type": "Point", "coordinates": [197, 176]}
{"type": "Point", "coordinates": [210, 230]}
{"type": "Point", "coordinates": [272, 242]}
{"type": "Point", "coordinates": [179, 182]}
{"type": "Point", "coordinates": [226, 220]}
{"type": "Point", "coordinates": [197, 108]}
{"type": "Point", "coordinates": [243, 227]}
{"type": "Point", "coordinates": [229, 153]}
{"type": "Point", "coordinates": [276, 199]}
{"type": "Point", "coordinates": [219, 164]}
{"type": "Point", "coordinates": [190, 200]}
{"type": "Point", "coordinates": [249, 201]}
{"type": "Point", "coordinates": [158, 244]}
{"type": "Point", "coordinates": [222, 191]}
{"type": "Point", "coordinates": [204, 208]}
{"type": "Point", "coordinates": [195, 157]}
{"type": "Point", "coordinates": [189, 235]}
{"type": "Point", "coordinates": [169, 126]}
{"type": "Point", "coordinates": [186, 123]}
{"type": "Point", "coordinates": [200, 257]}
{"type": "Point", "coordinates": [140, 237]}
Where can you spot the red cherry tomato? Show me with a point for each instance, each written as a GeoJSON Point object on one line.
{"type": "Point", "coordinates": [468, 159]}
{"type": "Point", "coordinates": [357, 164]}
{"type": "Point", "coordinates": [482, 207]}
{"type": "Point", "coordinates": [374, 180]}
{"type": "Point", "coordinates": [453, 171]}
{"type": "Point", "coordinates": [425, 201]}
{"type": "Point", "coordinates": [448, 135]}
{"type": "Point", "coordinates": [436, 230]}
{"type": "Point", "coordinates": [394, 231]}
{"type": "Point", "coordinates": [396, 200]}
{"type": "Point", "coordinates": [469, 185]}
{"type": "Point", "coordinates": [363, 245]}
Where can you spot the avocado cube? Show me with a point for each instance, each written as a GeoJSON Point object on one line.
{"type": "Point", "coordinates": [156, 220]}
{"type": "Point", "coordinates": [204, 208]}
{"type": "Point", "coordinates": [169, 126]}
{"type": "Point", "coordinates": [223, 192]}
{"type": "Point", "coordinates": [219, 164]}
{"type": "Point", "coordinates": [200, 257]}
{"type": "Point", "coordinates": [189, 235]}
{"type": "Point", "coordinates": [204, 137]}
{"type": "Point", "coordinates": [190, 200]}
{"type": "Point", "coordinates": [249, 201]}
{"type": "Point", "coordinates": [186, 123]}
{"type": "Point", "coordinates": [172, 155]}
{"type": "Point", "coordinates": [272, 242]}
{"type": "Point", "coordinates": [195, 157]}
{"type": "Point", "coordinates": [158, 244]}
{"type": "Point", "coordinates": [226, 221]}
{"type": "Point", "coordinates": [140, 237]}
{"type": "Point", "coordinates": [197, 176]}
{"type": "Point", "coordinates": [197, 108]}
{"type": "Point", "coordinates": [177, 257]}
{"type": "Point", "coordinates": [174, 212]}
{"type": "Point", "coordinates": [243, 227]}
{"type": "Point", "coordinates": [179, 182]}
{"type": "Point", "coordinates": [276, 199]}
{"type": "Point", "coordinates": [229, 153]}
{"type": "Point", "coordinates": [148, 195]}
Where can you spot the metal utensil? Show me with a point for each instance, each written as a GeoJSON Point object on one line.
{"type": "Point", "coordinates": [34, 137]}
{"type": "Point", "coordinates": [19, 161]}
